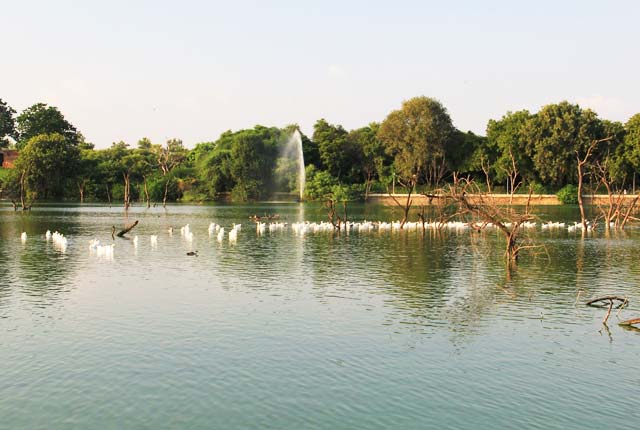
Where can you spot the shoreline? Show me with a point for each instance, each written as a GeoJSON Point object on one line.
{"type": "Point", "coordinates": [499, 199]}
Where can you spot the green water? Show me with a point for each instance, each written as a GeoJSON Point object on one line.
{"type": "Point", "coordinates": [369, 330]}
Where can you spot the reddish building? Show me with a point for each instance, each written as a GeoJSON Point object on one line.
{"type": "Point", "coordinates": [8, 157]}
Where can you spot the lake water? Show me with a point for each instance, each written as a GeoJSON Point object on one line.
{"type": "Point", "coordinates": [326, 331]}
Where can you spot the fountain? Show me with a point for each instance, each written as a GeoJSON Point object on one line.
{"type": "Point", "coordinates": [293, 150]}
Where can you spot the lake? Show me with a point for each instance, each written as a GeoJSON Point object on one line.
{"type": "Point", "coordinates": [370, 330]}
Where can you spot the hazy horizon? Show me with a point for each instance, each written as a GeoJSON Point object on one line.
{"type": "Point", "coordinates": [126, 70]}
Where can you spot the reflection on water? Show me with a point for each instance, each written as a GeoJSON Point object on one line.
{"type": "Point", "coordinates": [278, 330]}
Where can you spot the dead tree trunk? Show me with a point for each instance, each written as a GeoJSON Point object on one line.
{"type": "Point", "coordinates": [127, 190]}
{"type": "Point", "coordinates": [406, 207]}
{"type": "Point", "coordinates": [146, 192]}
{"type": "Point", "coordinates": [166, 191]}
{"type": "Point", "coordinates": [127, 229]}
{"type": "Point", "coordinates": [108, 194]}
{"type": "Point", "coordinates": [582, 162]}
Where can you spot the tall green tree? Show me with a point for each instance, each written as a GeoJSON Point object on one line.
{"type": "Point", "coordinates": [49, 163]}
{"type": "Point", "coordinates": [557, 135]}
{"type": "Point", "coordinates": [469, 154]}
{"type": "Point", "coordinates": [416, 137]}
{"type": "Point", "coordinates": [508, 136]}
{"type": "Point", "coordinates": [249, 167]}
{"type": "Point", "coordinates": [374, 160]}
{"type": "Point", "coordinates": [146, 165]}
{"type": "Point", "coordinates": [43, 119]}
{"type": "Point", "coordinates": [7, 124]}
{"type": "Point", "coordinates": [338, 154]}
{"type": "Point", "coordinates": [87, 169]}
{"type": "Point", "coordinates": [168, 157]}
{"type": "Point", "coordinates": [632, 141]}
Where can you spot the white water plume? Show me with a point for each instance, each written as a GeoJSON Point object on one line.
{"type": "Point", "coordinates": [292, 150]}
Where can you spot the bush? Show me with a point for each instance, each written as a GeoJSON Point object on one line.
{"type": "Point", "coordinates": [347, 192]}
{"type": "Point", "coordinates": [568, 195]}
{"type": "Point", "coordinates": [320, 183]}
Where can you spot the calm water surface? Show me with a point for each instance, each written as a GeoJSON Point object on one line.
{"type": "Point", "coordinates": [326, 331]}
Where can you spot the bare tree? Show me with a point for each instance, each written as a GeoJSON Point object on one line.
{"type": "Point", "coordinates": [483, 207]}
{"type": "Point", "coordinates": [582, 167]}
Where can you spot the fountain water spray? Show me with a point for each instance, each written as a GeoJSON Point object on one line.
{"type": "Point", "coordinates": [293, 150]}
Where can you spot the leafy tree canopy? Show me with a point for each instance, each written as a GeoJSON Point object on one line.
{"type": "Point", "coordinates": [416, 137]}
{"type": "Point", "coordinates": [7, 124]}
{"type": "Point", "coordinates": [43, 119]}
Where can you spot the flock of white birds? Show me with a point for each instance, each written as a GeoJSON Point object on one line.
{"type": "Point", "coordinates": [218, 232]}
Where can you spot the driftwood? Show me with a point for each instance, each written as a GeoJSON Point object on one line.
{"type": "Point", "coordinates": [630, 322]}
{"type": "Point", "coordinates": [605, 301]}
{"type": "Point", "coordinates": [127, 229]}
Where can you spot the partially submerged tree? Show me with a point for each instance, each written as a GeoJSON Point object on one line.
{"type": "Point", "coordinates": [471, 201]}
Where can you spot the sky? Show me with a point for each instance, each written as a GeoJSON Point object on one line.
{"type": "Point", "coordinates": [123, 70]}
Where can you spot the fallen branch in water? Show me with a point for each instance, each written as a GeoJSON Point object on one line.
{"type": "Point", "coordinates": [606, 317]}
{"type": "Point", "coordinates": [127, 229]}
{"type": "Point", "coordinates": [630, 322]}
{"type": "Point", "coordinates": [604, 301]}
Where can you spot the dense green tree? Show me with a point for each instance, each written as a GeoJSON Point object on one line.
{"type": "Point", "coordinates": [469, 154]}
{"type": "Point", "coordinates": [508, 136]}
{"type": "Point", "coordinates": [557, 135]}
{"type": "Point", "coordinates": [375, 161]}
{"type": "Point", "coordinates": [7, 124]}
{"type": "Point", "coordinates": [320, 183]}
{"type": "Point", "coordinates": [632, 141]}
{"type": "Point", "coordinates": [43, 119]}
{"type": "Point", "coordinates": [416, 136]}
{"type": "Point", "coordinates": [168, 157]}
{"type": "Point", "coordinates": [87, 169]}
{"type": "Point", "coordinates": [49, 163]}
{"type": "Point", "coordinates": [214, 172]}
{"type": "Point", "coordinates": [146, 165]}
{"type": "Point", "coordinates": [339, 155]}
{"type": "Point", "coordinates": [249, 168]}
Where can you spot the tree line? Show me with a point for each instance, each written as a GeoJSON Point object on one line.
{"type": "Point", "coordinates": [416, 147]}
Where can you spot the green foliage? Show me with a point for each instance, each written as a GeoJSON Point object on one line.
{"type": "Point", "coordinates": [42, 119]}
{"type": "Point", "coordinates": [507, 138]}
{"type": "Point", "coordinates": [568, 194]}
{"type": "Point", "coordinates": [320, 183]}
{"type": "Point", "coordinates": [340, 193]}
{"type": "Point", "coordinates": [468, 152]}
{"type": "Point", "coordinates": [416, 136]}
{"type": "Point", "coordinates": [340, 155]}
{"type": "Point", "coordinates": [416, 145]}
{"type": "Point", "coordinates": [7, 124]}
{"type": "Point", "coordinates": [50, 161]}
{"type": "Point", "coordinates": [250, 167]}
{"type": "Point", "coordinates": [556, 134]}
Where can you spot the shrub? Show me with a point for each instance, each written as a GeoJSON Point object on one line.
{"type": "Point", "coordinates": [568, 195]}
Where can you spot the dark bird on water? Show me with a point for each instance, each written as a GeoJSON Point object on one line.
{"type": "Point", "coordinates": [192, 253]}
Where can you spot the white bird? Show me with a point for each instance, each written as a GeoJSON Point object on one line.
{"type": "Point", "coordinates": [47, 235]}
{"type": "Point", "coordinates": [233, 235]}
{"type": "Point", "coordinates": [135, 241]}
{"type": "Point", "coordinates": [211, 229]}
{"type": "Point", "coordinates": [221, 234]}
{"type": "Point", "coordinates": [154, 240]}
{"type": "Point", "coordinates": [23, 237]}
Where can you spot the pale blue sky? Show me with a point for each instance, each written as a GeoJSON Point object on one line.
{"type": "Point", "coordinates": [121, 70]}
